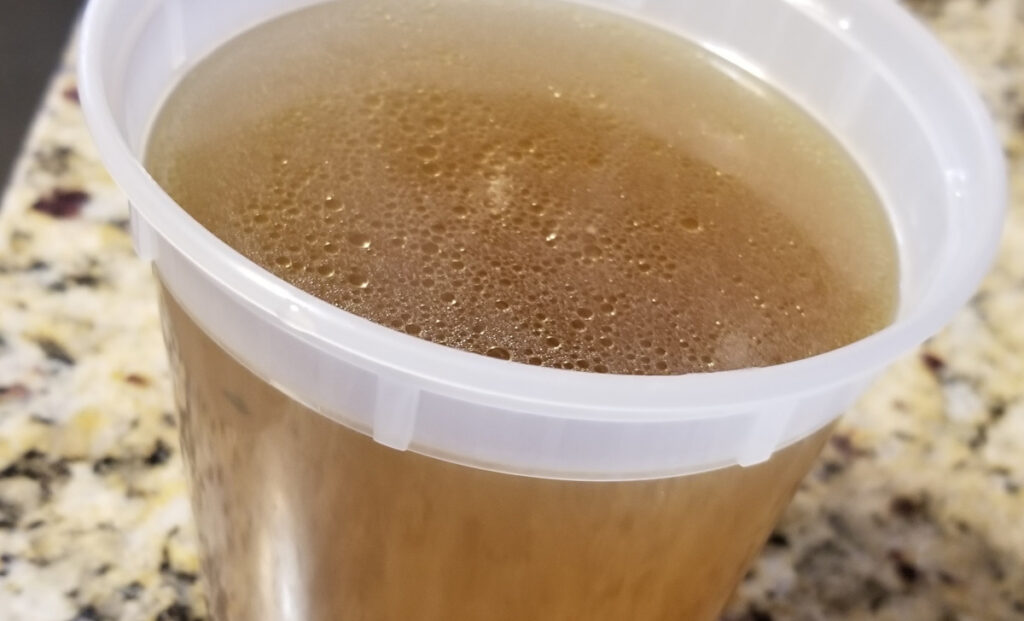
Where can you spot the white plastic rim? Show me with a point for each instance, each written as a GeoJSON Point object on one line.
{"type": "Point", "coordinates": [864, 68]}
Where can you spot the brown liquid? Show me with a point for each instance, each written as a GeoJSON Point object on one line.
{"type": "Point", "coordinates": [531, 181]}
{"type": "Point", "coordinates": [304, 519]}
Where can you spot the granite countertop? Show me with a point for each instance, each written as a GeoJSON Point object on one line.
{"type": "Point", "coordinates": [914, 512]}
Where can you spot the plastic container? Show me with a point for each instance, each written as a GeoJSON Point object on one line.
{"type": "Point", "coordinates": [864, 68]}
{"type": "Point", "coordinates": [643, 497]}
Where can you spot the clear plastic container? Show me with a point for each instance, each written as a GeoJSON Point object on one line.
{"type": "Point", "coordinates": [865, 69]}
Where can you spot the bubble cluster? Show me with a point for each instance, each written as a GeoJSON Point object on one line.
{"type": "Point", "coordinates": [538, 225]}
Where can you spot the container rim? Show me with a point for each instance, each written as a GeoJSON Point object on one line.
{"type": "Point", "coordinates": [577, 394]}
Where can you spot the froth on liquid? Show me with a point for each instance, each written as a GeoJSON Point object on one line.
{"type": "Point", "coordinates": [532, 182]}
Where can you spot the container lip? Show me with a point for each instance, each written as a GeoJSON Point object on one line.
{"type": "Point", "coordinates": [476, 378]}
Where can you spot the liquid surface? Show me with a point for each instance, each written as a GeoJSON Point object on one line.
{"type": "Point", "coordinates": [533, 182]}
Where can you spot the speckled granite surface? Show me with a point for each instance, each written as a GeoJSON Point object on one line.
{"type": "Point", "coordinates": [914, 512]}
